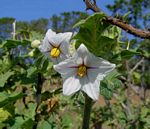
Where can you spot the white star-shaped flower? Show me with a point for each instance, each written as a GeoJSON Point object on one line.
{"type": "Point", "coordinates": [55, 46]}
{"type": "Point", "coordinates": [83, 71]}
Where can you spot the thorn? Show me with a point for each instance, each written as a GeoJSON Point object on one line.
{"type": "Point", "coordinates": [94, 2]}
{"type": "Point", "coordinates": [87, 8]}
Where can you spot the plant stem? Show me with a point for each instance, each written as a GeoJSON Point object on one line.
{"type": "Point", "coordinates": [37, 116]}
{"type": "Point", "coordinates": [87, 111]}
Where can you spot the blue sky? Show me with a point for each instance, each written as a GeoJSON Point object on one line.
{"type": "Point", "coordinates": [34, 9]}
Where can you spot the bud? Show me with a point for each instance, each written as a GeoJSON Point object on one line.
{"type": "Point", "coordinates": [72, 49]}
{"type": "Point", "coordinates": [31, 53]}
{"type": "Point", "coordinates": [35, 43]}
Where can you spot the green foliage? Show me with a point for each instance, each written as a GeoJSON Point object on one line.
{"type": "Point", "coordinates": [9, 44]}
{"type": "Point", "coordinates": [65, 21]}
{"type": "Point", "coordinates": [93, 34]}
{"type": "Point", "coordinates": [139, 11]}
{"type": "Point", "coordinates": [39, 25]}
{"type": "Point", "coordinates": [125, 54]}
{"type": "Point", "coordinates": [110, 84]}
{"type": "Point", "coordinates": [104, 40]}
{"type": "Point", "coordinates": [6, 98]}
{"type": "Point", "coordinates": [31, 92]}
{"type": "Point", "coordinates": [4, 77]}
{"type": "Point", "coordinates": [4, 114]}
{"type": "Point", "coordinates": [25, 120]}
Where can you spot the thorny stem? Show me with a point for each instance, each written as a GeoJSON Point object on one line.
{"type": "Point", "coordinates": [118, 22]}
{"type": "Point", "coordinates": [38, 99]}
{"type": "Point", "coordinates": [143, 86]}
{"type": "Point", "coordinates": [87, 112]}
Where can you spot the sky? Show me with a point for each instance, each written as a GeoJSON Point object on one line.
{"type": "Point", "coordinates": [26, 10]}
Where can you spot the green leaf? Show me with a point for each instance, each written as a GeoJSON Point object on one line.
{"type": "Point", "coordinates": [126, 15]}
{"type": "Point", "coordinates": [39, 61]}
{"type": "Point", "coordinates": [18, 122]}
{"type": "Point", "coordinates": [122, 116]}
{"type": "Point", "coordinates": [45, 65]}
{"type": "Point", "coordinates": [4, 77]}
{"type": "Point", "coordinates": [126, 54]}
{"type": "Point", "coordinates": [50, 123]}
{"type": "Point", "coordinates": [14, 43]}
{"type": "Point", "coordinates": [4, 114]}
{"type": "Point", "coordinates": [28, 124]}
{"type": "Point", "coordinates": [25, 119]}
{"type": "Point", "coordinates": [80, 23]}
{"type": "Point", "coordinates": [116, 83]}
{"type": "Point", "coordinates": [44, 125]}
{"type": "Point", "coordinates": [105, 90]}
{"type": "Point", "coordinates": [112, 81]}
{"type": "Point", "coordinates": [92, 33]}
{"type": "Point", "coordinates": [88, 22]}
{"type": "Point", "coordinates": [113, 74]}
{"type": "Point", "coordinates": [112, 32]}
{"type": "Point", "coordinates": [144, 53]}
{"type": "Point", "coordinates": [21, 123]}
{"type": "Point", "coordinates": [31, 71]}
{"type": "Point", "coordinates": [67, 121]}
{"type": "Point", "coordinates": [145, 112]}
{"type": "Point", "coordinates": [110, 84]}
{"type": "Point", "coordinates": [136, 77]}
{"type": "Point", "coordinates": [30, 112]}
{"type": "Point", "coordinates": [6, 99]}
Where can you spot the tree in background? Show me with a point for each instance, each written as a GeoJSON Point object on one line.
{"type": "Point", "coordinates": [22, 80]}
{"type": "Point", "coordinates": [6, 27]}
{"type": "Point", "coordinates": [59, 23]}
{"type": "Point", "coordinates": [139, 11]}
{"type": "Point", "coordinates": [65, 21]}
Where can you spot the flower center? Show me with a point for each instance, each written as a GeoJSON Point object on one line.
{"type": "Point", "coordinates": [82, 70]}
{"type": "Point", "coordinates": [55, 52]}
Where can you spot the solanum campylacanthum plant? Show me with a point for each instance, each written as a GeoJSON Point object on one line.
{"type": "Point", "coordinates": [83, 71]}
{"type": "Point", "coordinates": [86, 74]}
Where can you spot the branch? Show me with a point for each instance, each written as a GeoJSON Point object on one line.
{"type": "Point", "coordinates": [92, 6]}
{"type": "Point", "coordinates": [118, 22]}
{"type": "Point", "coordinates": [123, 105]}
{"type": "Point", "coordinates": [137, 65]}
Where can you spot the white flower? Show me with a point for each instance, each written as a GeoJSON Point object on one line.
{"type": "Point", "coordinates": [55, 46]}
{"type": "Point", "coordinates": [83, 71]}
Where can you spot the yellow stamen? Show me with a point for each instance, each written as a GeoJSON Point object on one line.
{"type": "Point", "coordinates": [55, 52]}
{"type": "Point", "coordinates": [82, 70]}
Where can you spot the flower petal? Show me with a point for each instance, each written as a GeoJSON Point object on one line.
{"type": "Point", "coordinates": [50, 34]}
{"type": "Point", "coordinates": [80, 54]}
{"type": "Point", "coordinates": [82, 51]}
{"type": "Point", "coordinates": [64, 40]}
{"type": "Point", "coordinates": [61, 38]}
{"type": "Point", "coordinates": [61, 58]}
{"type": "Point", "coordinates": [45, 47]}
{"type": "Point", "coordinates": [91, 88]}
{"type": "Point", "coordinates": [71, 85]}
{"type": "Point", "coordinates": [97, 66]}
{"type": "Point", "coordinates": [100, 67]}
{"type": "Point", "coordinates": [64, 37]}
{"type": "Point", "coordinates": [65, 68]}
